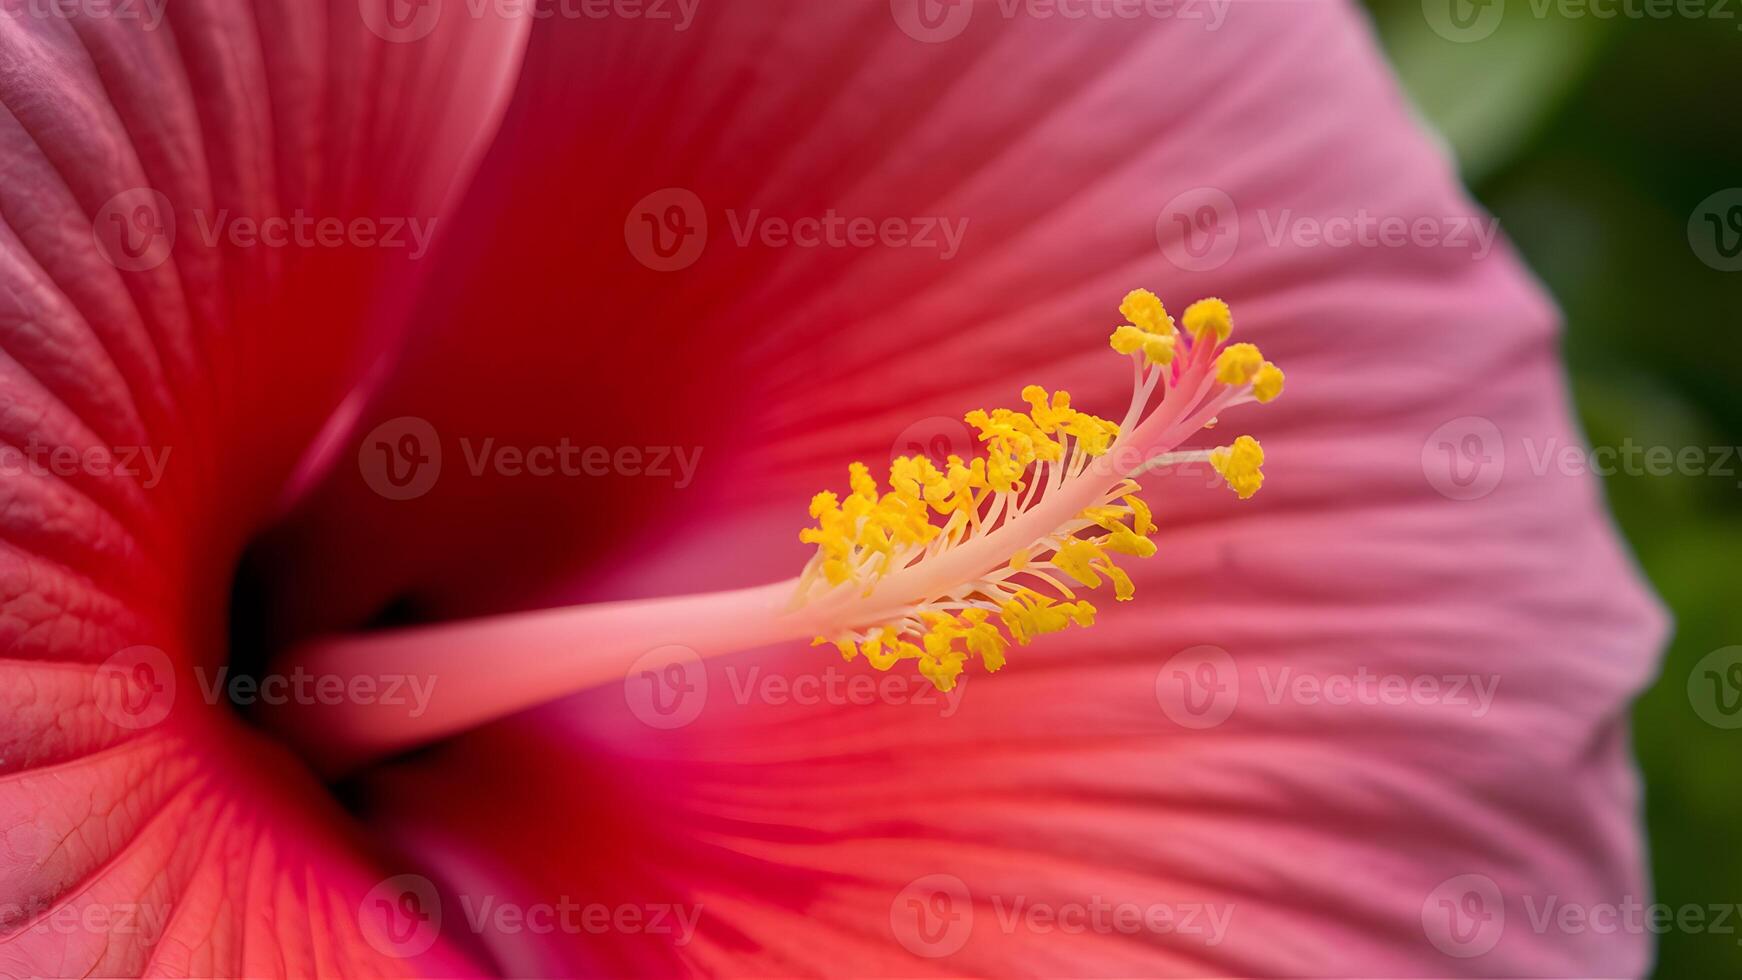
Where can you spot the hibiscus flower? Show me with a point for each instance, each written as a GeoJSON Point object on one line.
{"type": "Point", "coordinates": [1218, 777]}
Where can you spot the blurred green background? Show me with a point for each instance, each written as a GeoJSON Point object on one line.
{"type": "Point", "coordinates": [1596, 141]}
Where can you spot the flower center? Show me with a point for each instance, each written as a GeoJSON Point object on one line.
{"type": "Point", "coordinates": [940, 565]}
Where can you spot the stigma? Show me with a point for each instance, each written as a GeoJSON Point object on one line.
{"type": "Point", "coordinates": [946, 563]}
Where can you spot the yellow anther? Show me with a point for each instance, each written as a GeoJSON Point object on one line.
{"type": "Point", "coordinates": [1209, 317]}
{"type": "Point", "coordinates": [1240, 465]}
{"type": "Point", "coordinates": [1120, 538]}
{"type": "Point", "coordinates": [1159, 348]}
{"type": "Point", "coordinates": [848, 648]}
{"type": "Point", "coordinates": [1150, 331]}
{"type": "Point", "coordinates": [1123, 590]}
{"type": "Point", "coordinates": [1030, 614]}
{"type": "Point", "coordinates": [859, 478]}
{"type": "Point", "coordinates": [1238, 363]}
{"type": "Point", "coordinates": [1127, 339]}
{"type": "Point", "coordinates": [1144, 521]}
{"type": "Point", "coordinates": [1076, 558]}
{"type": "Point", "coordinates": [1268, 383]}
{"type": "Point", "coordinates": [1143, 308]}
{"type": "Point", "coordinates": [1124, 541]}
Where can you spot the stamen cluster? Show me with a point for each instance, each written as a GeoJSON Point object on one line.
{"type": "Point", "coordinates": [958, 561]}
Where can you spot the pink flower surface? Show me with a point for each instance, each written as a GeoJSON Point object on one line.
{"type": "Point", "coordinates": [1219, 778]}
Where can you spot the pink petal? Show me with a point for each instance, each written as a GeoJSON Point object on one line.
{"type": "Point", "coordinates": [1329, 833]}
{"type": "Point", "coordinates": [174, 842]}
